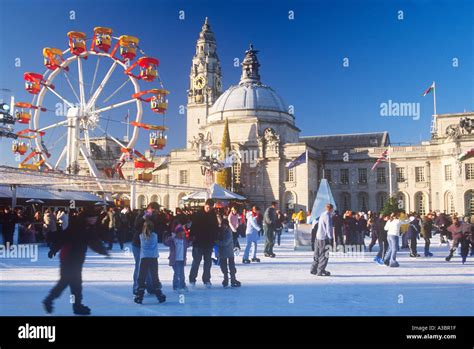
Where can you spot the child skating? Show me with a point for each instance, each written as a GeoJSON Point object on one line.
{"type": "Point", "coordinates": [148, 262]}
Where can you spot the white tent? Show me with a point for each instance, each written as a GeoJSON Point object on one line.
{"type": "Point", "coordinates": [323, 198]}
{"type": "Point", "coordinates": [214, 192]}
{"type": "Point", "coordinates": [47, 194]}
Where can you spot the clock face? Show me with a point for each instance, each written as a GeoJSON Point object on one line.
{"type": "Point", "coordinates": [199, 82]}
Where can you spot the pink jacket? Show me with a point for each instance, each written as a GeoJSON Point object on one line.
{"type": "Point", "coordinates": [233, 221]}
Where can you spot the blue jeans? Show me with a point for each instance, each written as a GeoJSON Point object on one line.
{"type": "Point", "coordinates": [250, 240]}
{"type": "Point", "coordinates": [148, 281]}
{"type": "Point", "coordinates": [391, 255]}
{"type": "Point", "coordinates": [178, 277]}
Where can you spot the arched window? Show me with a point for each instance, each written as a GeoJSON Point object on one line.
{"type": "Point", "coordinates": [290, 201]}
{"type": "Point", "coordinates": [381, 199]}
{"type": "Point", "coordinates": [141, 201]}
{"type": "Point", "coordinates": [420, 203]}
{"type": "Point", "coordinates": [179, 201]}
{"type": "Point", "coordinates": [449, 207]}
{"type": "Point", "coordinates": [345, 202]}
{"type": "Point", "coordinates": [154, 198]}
{"type": "Point", "coordinates": [166, 201]}
{"type": "Point", "coordinates": [402, 201]}
{"type": "Point", "coordinates": [363, 201]}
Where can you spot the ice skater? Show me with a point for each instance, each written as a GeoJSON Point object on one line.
{"type": "Point", "coordinates": [252, 235]}
{"type": "Point", "coordinates": [462, 235]}
{"type": "Point", "coordinates": [204, 233]}
{"type": "Point", "coordinates": [324, 237]}
{"type": "Point", "coordinates": [148, 262]}
{"type": "Point", "coordinates": [73, 243]}
{"type": "Point", "coordinates": [393, 234]}
{"type": "Point", "coordinates": [178, 245]}
{"type": "Point", "coordinates": [226, 253]}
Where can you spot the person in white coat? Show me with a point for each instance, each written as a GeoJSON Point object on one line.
{"type": "Point", "coordinates": [393, 233]}
{"type": "Point", "coordinates": [252, 236]}
{"type": "Point", "coordinates": [63, 218]}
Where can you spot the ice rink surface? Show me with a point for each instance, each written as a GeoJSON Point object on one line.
{"type": "Point", "coordinates": [279, 286]}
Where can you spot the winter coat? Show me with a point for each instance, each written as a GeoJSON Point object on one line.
{"type": "Point", "coordinates": [337, 222]}
{"type": "Point", "coordinates": [226, 244]}
{"type": "Point", "coordinates": [63, 218]}
{"type": "Point", "coordinates": [393, 227]}
{"type": "Point", "coordinates": [158, 225]}
{"type": "Point", "coordinates": [171, 243]}
{"type": "Point", "coordinates": [460, 231]}
{"type": "Point", "coordinates": [443, 221]}
{"type": "Point", "coordinates": [204, 229]}
{"type": "Point", "coordinates": [73, 242]}
{"type": "Point", "coordinates": [426, 228]}
{"type": "Point", "coordinates": [233, 221]}
{"type": "Point", "coordinates": [109, 220]}
{"type": "Point", "coordinates": [413, 229]}
{"type": "Point", "coordinates": [270, 217]}
{"type": "Point", "coordinates": [8, 221]}
{"type": "Point", "coordinates": [252, 227]}
{"type": "Point", "coordinates": [149, 247]}
{"type": "Point", "coordinates": [49, 222]}
{"type": "Point", "coordinates": [361, 225]}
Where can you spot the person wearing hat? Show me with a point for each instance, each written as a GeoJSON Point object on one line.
{"type": "Point", "coordinates": [204, 229]}
{"type": "Point", "coordinates": [178, 248]}
{"type": "Point", "coordinates": [412, 234]}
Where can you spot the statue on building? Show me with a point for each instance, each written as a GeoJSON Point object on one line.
{"type": "Point", "coordinates": [466, 125]}
{"type": "Point", "coordinates": [201, 143]}
{"type": "Point", "coordinates": [453, 132]}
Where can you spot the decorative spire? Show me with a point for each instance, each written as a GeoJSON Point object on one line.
{"type": "Point", "coordinates": [206, 32]}
{"type": "Point", "coordinates": [250, 67]}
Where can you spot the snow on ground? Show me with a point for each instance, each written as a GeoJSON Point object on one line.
{"type": "Point", "coordinates": [279, 286]}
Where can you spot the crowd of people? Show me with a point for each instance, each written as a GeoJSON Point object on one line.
{"type": "Point", "coordinates": [216, 230]}
{"type": "Point", "coordinates": [351, 229]}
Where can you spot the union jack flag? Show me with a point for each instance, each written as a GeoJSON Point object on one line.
{"type": "Point", "coordinates": [383, 157]}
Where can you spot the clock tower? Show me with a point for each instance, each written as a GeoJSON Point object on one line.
{"type": "Point", "coordinates": [205, 82]}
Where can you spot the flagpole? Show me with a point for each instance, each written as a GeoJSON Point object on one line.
{"type": "Point", "coordinates": [434, 97]}
{"type": "Point", "coordinates": [390, 170]}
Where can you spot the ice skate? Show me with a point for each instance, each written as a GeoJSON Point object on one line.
{"type": "Point", "coordinates": [81, 309]}
{"type": "Point", "coordinates": [48, 305]}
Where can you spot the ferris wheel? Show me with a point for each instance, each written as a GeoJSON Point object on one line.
{"type": "Point", "coordinates": [63, 141]}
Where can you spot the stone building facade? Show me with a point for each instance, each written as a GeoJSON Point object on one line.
{"type": "Point", "coordinates": [265, 138]}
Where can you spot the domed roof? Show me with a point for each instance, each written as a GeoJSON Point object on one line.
{"type": "Point", "coordinates": [249, 96]}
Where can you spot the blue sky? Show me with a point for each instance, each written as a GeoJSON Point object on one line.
{"type": "Point", "coordinates": [302, 59]}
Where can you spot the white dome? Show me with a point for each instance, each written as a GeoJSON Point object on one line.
{"type": "Point", "coordinates": [249, 96]}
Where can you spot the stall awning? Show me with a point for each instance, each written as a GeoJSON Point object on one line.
{"type": "Point", "coordinates": [46, 194]}
{"type": "Point", "coordinates": [214, 192]}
